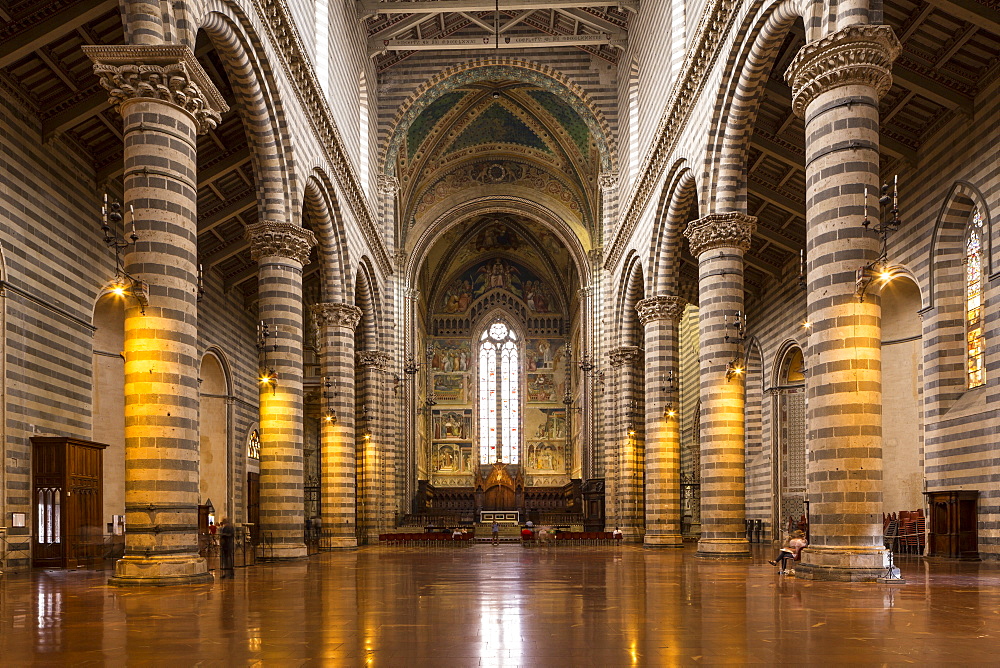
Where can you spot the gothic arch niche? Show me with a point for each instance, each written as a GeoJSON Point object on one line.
{"type": "Point", "coordinates": [902, 348]}
{"type": "Point", "coordinates": [214, 481]}
{"type": "Point", "coordinates": [789, 460]}
{"type": "Point", "coordinates": [109, 398]}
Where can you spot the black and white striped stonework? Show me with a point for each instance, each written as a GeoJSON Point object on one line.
{"type": "Point", "coordinates": [844, 392]}
{"type": "Point", "coordinates": [281, 250]}
{"type": "Point", "coordinates": [719, 242]}
{"type": "Point", "coordinates": [336, 322]}
{"type": "Point", "coordinates": [161, 340]}
{"type": "Point", "coordinates": [660, 317]}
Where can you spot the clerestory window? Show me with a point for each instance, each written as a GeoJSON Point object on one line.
{"type": "Point", "coordinates": [499, 399]}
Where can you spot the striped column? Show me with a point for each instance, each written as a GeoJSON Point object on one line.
{"type": "Point", "coordinates": [719, 242]}
{"type": "Point", "coordinates": [336, 323]}
{"type": "Point", "coordinates": [280, 251]}
{"type": "Point", "coordinates": [626, 443]}
{"type": "Point", "coordinates": [375, 485]}
{"type": "Point", "coordinates": [660, 317]}
{"type": "Point", "coordinates": [161, 336]}
{"type": "Point", "coordinates": [836, 84]}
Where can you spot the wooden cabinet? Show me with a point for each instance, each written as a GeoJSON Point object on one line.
{"type": "Point", "coordinates": [67, 488]}
{"type": "Point", "coordinates": [953, 524]}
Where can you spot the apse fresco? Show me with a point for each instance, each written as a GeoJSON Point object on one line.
{"type": "Point", "coordinates": [498, 274]}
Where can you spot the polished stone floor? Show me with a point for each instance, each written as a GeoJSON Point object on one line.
{"type": "Point", "coordinates": [506, 606]}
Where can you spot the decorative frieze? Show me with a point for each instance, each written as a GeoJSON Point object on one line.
{"type": "Point", "coordinates": [721, 230]}
{"type": "Point", "coordinates": [661, 307]}
{"type": "Point", "coordinates": [857, 54]}
{"type": "Point", "coordinates": [623, 355]}
{"type": "Point", "coordinates": [269, 238]}
{"type": "Point", "coordinates": [374, 359]}
{"type": "Point", "coordinates": [335, 314]}
{"type": "Point", "coordinates": [165, 72]}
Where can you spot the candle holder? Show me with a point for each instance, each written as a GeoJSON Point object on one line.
{"type": "Point", "coordinates": [736, 366]}
{"type": "Point", "coordinates": [124, 283]}
{"type": "Point", "coordinates": [885, 223]}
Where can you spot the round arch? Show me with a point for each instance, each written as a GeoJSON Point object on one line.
{"type": "Point", "coordinates": [679, 193]}
{"type": "Point", "coordinates": [323, 210]}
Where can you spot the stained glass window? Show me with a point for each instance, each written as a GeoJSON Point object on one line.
{"type": "Point", "coordinates": [253, 445]}
{"type": "Point", "coordinates": [499, 403]}
{"type": "Point", "coordinates": [974, 299]}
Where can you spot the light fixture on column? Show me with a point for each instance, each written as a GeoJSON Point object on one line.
{"type": "Point", "coordinates": [886, 222]}
{"type": "Point", "coordinates": [802, 269]}
{"type": "Point", "coordinates": [329, 415]}
{"type": "Point", "coordinates": [366, 431]}
{"type": "Point", "coordinates": [267, 374]}
{"type": "Point", "coordinates": [590, 370]}
{"type": "Point", "coordinates": [737, 365]}
{"type": "Point", "coordinates": [412, 366]}
{"type": "Point", "coordinates": [668, 391]}
{"type": "Point", "coordinates": [124, 284]}
{"type": "Point", "coordinates": [631, 416]}
{"type": "Point", "coordinates": [201, 282]}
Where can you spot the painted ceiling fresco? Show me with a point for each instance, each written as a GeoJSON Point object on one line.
{"type": "Point", "coordinates": [497, 252]}
{"type": "Point", "coordinates": [523, 115]}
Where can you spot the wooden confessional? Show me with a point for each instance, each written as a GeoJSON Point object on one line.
{"type": "Point", "coordinates": [953, 524]}
{"type": "Point", "coordinates": [67, 487]}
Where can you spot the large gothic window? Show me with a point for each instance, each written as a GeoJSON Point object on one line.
{"type": "Point", "coordinates": [499, 403]}
{"type": "Point", "coordinates": [974, 299]}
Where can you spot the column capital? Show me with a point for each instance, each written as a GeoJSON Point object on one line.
{"type": "Point", "coordinates": [336, 314]}
{"type": "Point", "coordinates": [661, 307]}
{"type": "Point", "coordinates": [717, 230]}
{"type": "Point", "coordinates": [165, 72]}
{"type": "Point", "coordinates": [270, 238]}
{"type": "Point", "coordinates": [387, 185]}
{"type": "Point", "coordinates": [623, 355]}
{"type": "Point", "coordinates": [858, 54]}
{"type": "Point", "coordinates": [374, 359]}
{"type": "Point", "coordinates": [607, 180]}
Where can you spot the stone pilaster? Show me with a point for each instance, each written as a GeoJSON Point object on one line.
{"type": "Point", "coordinates": [165, 100]}
{"type": "Point", "coordinates": [660, 317]}
{"type": "Point", "coordinates": [719, 242]}
{"type": "Point", "coordinates": [608, 182]}
{"type": "Point", "coordinates": [336, 323]}
{"type": "Point", "coordinates": [625, 466]}
{"type": "Point", "coordinates": [375, 483]}
{"type": "Point", "coordinates": [836, 85]}
{"type": "Point", "coordinates": [280, 251]}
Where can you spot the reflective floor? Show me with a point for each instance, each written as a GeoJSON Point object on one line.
{"type": "Point", "coordinates": [506, 606]}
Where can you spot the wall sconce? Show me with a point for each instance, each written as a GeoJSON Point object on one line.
{"type": "Point", "coordinates": [267, 374]}
{"type": "Point", "coordinates": [412, 366]}
{"type": "Point", "coordinates": [632, 415]}
{"type": "Point", "coordinates": [330, 416]}
{"type": "Point", "coordinates": [366, 431]}
{"type": "Point", "coordinates": [735, 366]}
{"type": "Point", "coordinates": [124, 283]}
{"type": "Point", "coordinates": [887, 221]}
{"type": "Point", "coordinates": [201, 282]}
{"type": "Point", "coordinates": [802, 269]}
{"type": "Point", "coordinates": [668, 389]}
{"type": "Point", "coordinates": [590, 370]}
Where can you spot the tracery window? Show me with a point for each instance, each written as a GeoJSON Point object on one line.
{"type": "Point", "coordinates": [499, 401]}
{"type": "Point", "coordinates": [253, 445]}
{"type": "Point", "coordinates": [974, 237]}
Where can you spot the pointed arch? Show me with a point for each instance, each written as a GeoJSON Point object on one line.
{"type": "Point", "coordinates": [501, 68]}
{"type": "Point", "coordinates": [947, 248]}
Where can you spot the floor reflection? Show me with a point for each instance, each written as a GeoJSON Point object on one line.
{"type": "Point", "coordinates": [505, 606]}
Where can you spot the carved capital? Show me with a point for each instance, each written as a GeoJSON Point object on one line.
{"type": "Point", "coordinates": [374, 359]}
{"type": "Point", "coordinates": [662, 307]}
{"type": "Point", "coordinates": [721, 230]}
{"type": "Point", "coordinates": [623, 355]}
{"type": "Point", "coordinates": [387, 185]}
{"type": "Point", "coordinates": [608, 180]}
{"type": "Point", "coordinates": [334, 314]}
{"type": "Point", "coordinates": [268, 238]}
{"type": "Point", "coordinates": [858, 54]}
{"type": "Point", "coordinates": [165, 72]}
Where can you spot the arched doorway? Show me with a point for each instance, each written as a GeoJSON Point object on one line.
{"type": "Point", "coordinates": [789, 441]}
{"type": "Point", "coordinates": [109, 402]}
{"type": "Point", "coordinates": [214, 480]}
